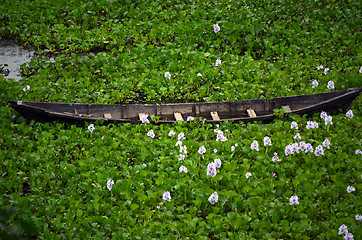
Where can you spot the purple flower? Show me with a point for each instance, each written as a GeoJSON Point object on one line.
{"type": "Point", "coordinates": [267, 141]}
{"type": "Point", "coordinates": [358, 217]}
{"type": "Point", "coordinates": [199, 75]}
{"type": "Point", "coordinates": [348, 236]}
{"type": "Point", "coordinates": [358, 152]}
{"type": "Point", "coordinates": [91, 127]}
{"type": "Point", "coordinates": [273, 175]}
{"type": "Point", "coordinates": [183, 169]}
{"type": "Point", "coordinates": [74, 229]}
{"type": "Point", "coordinates": [144, 164]}
{"type": "Point", "coordinates": [167, 196]}
{"type": "Point", "coordinates": [145, 119]}
{"type": "Point", "coordinates": [326, 143]}
{"type": "Point", "coordinates": [181, 136]}
{"type": "Point", "coordinates": [190, 118]}
{"type": "Point", "coordinates": [326, 71]}
{"type": "Point", "coordinates": [178, 143]}
{"type": "Point", "coordinates": [171, 133]}
{"type": "Point", "coordinates": [217, 162]}
{"type": "Point", "coordinates": [297, 136]}
{"type": "Point", "coordinates": [328, 120]}
{"type": "Point", "coordinates": [202, 150]}
{"type": "Point", "coordinates": [215, 151]}
{"type": "Point", "coordinates": [350, 189]}
{"type": "Point", "coordinates": [167, 75]}
{"type": "Point", "coordinates": [183, 149]}
{"type": "Point", "coordinates": [211, 169]}
{"type": "Point", "coordinates": [288, 150]}
{"type": "Point", "coordinates": [308, 148]}
{"type": "Point", "coordinates": [302, 146]}
{"type": "Point", "coordinates": [295, 148]}
{"type": "Point", "coordinates": [218, 62]}
{"type": "Point", "coordinates": [349, 114]}
{"type": "Point", "coordinates": [213, 198]}
{"type": "Point", "coordinates": [342, 229]}
{"type": "Point", "coordinates": [314, 84]}
{"type": "Point", "coordinates": [255, 146]}
{"type": "Point", "coordinates": [323, 115]}
{"type": "Point", "coordinates": [294, 125]}
{"type": "Point", "coordinates": [110, 184]}
{"type": "Point", "coordinates": [319, 150]}
{"type": "Point", "coordinates": [232, 148]}
{"type": "Point", "coordinates": [181, 157]}
{"type": "Point", "coordinates": [360, 70]}
{"type": "Point", "coordinates": [330, 85]}
{"type": "Point", "coordinates": [248, 174]}
{"type": "Point", "coordinates": [220, 136]}
{"type": "Point", "coordinates": [275, 157]}
{"type": "Point", "coordinates": [293, 200]}
{"type": "Point", "coordinates": [320, 67]}
{"type": "Point", "coordinates": [216, 28]}
{"type": "Point", "coordinates": [151, 134]}
{"type": "Point", "coordinates": [311, 125]}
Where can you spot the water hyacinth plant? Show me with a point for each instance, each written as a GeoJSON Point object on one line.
{"type": "Point", "coordinates": [106, 181]}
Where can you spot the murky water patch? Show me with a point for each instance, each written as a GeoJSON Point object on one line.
{"type": "Point", "coordinates": [13, 55]}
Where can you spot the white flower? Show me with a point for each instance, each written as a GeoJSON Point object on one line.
{"type": "Point", "coordinates": [171, 133]}
{"type": "Point", "coordinates": [315, 84]}
{"type": "Point", "coordinates": [110, 184]}
{"type": "Point", "coordinates": [202, 150]}
{"type": "Point", "coordinates": [232, 148]}
{"type": "Point", "coordinates": [91, 127]}
{"type": "Point", "coordinates": [358, 152]}
{"type": "Point", "coordinates": [189, 118]}
{"type": "Point", "coordinates": [294, 125]}
{"type": "Point", "coordinates": [328, 120]}
{"type": "Point", "coordinates": [211, 170]}
{"type": "Point", "coordinates": [218, 62]}
{"type": "Point", "coordinates": [167, 196]}
{"type": "Point", "coordinates": [320, 67]}
{"type": "Point", "coordinates": [358, 217]}
{"type": "Point", "coordinates": [330, 85]}
{"type": "Point", "coordinates": [248, 174]}
{"type": "Point", "coordinates": [27, 88]}
{"type": "Point", "coordinates": [323, 115]}
{"type": "Point", "coordinates": [297, 136]}
{"type": "Point", "coordinates": [151, 134]}
{"type": "Point", "coordinates": [267, 141]}
{"type": "Point", "coordinates": [217, 162]}
{"type": "Point", "coordinates": [216, 28]}
{"type": "Point", "coordinates": [293, 200]}
{"type": "Point", "coordinates": [199, 75]}
{"type": "Point", "coordinates": [326, 71]}
{"type": "Point", "coordinates": [360, 70]}
{"type": "Point", "coordinates": [213, 198]}
{"type": "Point", "coordinates": [167, 75]}
{"type": "Point", "coordinates": [183, 169]}
{"type": "Point", "coordinates": [254, 145]}
{"type": "Point", "coordinates": [145, 119]}
{"type": "Point", "coordinates": [348, 236]}
{"type": "Point", "coordinates": [342, 229]}
{"type": "Point", "coordinates": [349, 114]}
{"type": "Point", "coordinates": [350, 189]}
{"type": "Point", "coordinates": [326, 143]}
{"type": "Point", "coordinates": [275, 157]}
{"type": "Point", "coordinates": [181, 136]}
{"type": "Point", "coordinates": [215, 151]}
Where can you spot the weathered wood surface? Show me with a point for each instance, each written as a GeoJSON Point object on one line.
{"type": "Point", "coordinates": [247, 110]}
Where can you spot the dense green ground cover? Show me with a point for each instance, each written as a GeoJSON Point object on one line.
{"type": "Point", "coordinates": [56, 175]}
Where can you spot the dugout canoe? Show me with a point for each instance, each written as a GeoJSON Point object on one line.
{"type": "Point", "coordinates": [246, 110]}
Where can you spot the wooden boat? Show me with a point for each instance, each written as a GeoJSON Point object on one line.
{"type": "Point", "coordinates": [247, 110]}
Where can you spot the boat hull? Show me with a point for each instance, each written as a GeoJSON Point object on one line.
{"type": "Point", "coordinates": [246, 111]}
